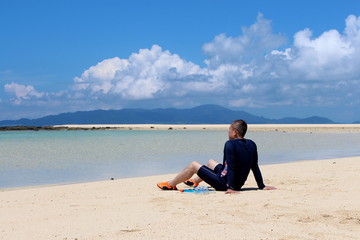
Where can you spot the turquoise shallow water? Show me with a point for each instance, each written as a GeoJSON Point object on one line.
{"type": "Point", "coordinates": [53, 157]}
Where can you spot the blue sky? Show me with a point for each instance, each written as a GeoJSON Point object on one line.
{"type": "Point", "coordinates": [269, 58]}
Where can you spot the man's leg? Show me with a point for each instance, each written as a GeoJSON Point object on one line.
{"type": "Point", "coordinates": [211, 164]}
{"type": "Point", "coordinates": [186, 174]}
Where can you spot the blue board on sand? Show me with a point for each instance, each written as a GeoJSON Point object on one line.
{"type": "Point", "coordinates": [200, 190]}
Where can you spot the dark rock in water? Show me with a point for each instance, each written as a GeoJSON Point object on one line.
{"type": "Point", "coordinates": [27, 128]}
{"type": "Point", "coordinates": [36, 128]}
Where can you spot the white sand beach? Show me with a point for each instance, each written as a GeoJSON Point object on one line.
{"type": "Point", "coordinates": [314, 200]}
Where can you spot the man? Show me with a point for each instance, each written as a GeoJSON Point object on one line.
{"type": "Point", "coordinates": [240, 155]}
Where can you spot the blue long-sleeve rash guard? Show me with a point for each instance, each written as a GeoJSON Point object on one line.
{"type": "Point", "coordinates": [240, 155]}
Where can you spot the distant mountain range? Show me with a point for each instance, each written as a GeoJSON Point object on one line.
{"type": "Point", "coordinates": [205, 114]}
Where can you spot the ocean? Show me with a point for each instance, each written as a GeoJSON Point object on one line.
{"type": "Point", "coordinates": [33, 158]}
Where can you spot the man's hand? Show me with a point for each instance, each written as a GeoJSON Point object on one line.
{"type": "Point", "coordinates": [230, 191]}
{"type": "Point", "coordinates": [269, 188]}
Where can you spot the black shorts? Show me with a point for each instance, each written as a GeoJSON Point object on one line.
{"type": "Point", "coordinates": [212, 177]}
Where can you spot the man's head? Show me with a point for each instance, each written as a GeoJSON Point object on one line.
{"type": "Point", "coordinates": [237, 129]}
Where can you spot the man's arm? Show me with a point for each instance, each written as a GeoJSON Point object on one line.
{"type": "Point", "coordinates": [256, 170]}
{"type": "Point", "coordinates": [257, 173]}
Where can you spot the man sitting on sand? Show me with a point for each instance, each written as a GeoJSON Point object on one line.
{"type": "Point", "coordinates": [240, 155]}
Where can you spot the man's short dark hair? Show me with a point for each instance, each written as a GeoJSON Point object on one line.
{"type": "Point", "coordinates": [240, 126]}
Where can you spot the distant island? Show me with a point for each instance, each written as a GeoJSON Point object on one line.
{"type": "Point", "coordinates": [204, 114]}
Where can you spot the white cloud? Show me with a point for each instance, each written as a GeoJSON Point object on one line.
{"type": "Point", "coordinates": [233, 75]}
{"type": "Point", "coordinates": [327, 56]}
{"type": "Point", "coordinates": [255, 42]}
{"type": "Point", "coordinates": [99, 77]}
{"type": "Point", "coordinates": [330, 56]}
{"type": "Point", "coordinates": [149, 73]}
{"type": "Point", "coordinates": [22, 92]}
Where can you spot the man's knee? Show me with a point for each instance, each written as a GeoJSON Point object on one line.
{"type": "Point", "coordinates": [195, 165]}
{"type": "Point", "coordinates": [212, 164]}
{"type": "Point", "coordinates": [211, 161]}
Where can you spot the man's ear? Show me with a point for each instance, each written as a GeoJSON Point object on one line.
{"type": "Point", "coordinates": [237, 133]}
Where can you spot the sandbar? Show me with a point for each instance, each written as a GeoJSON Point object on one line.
{"type": "Point", "coordinates": [350, 128]}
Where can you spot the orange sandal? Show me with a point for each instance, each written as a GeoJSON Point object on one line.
{"type": "Point", "coordinates": [166, 186]}
{"type": "Point", "coordinates": [191, 183]}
